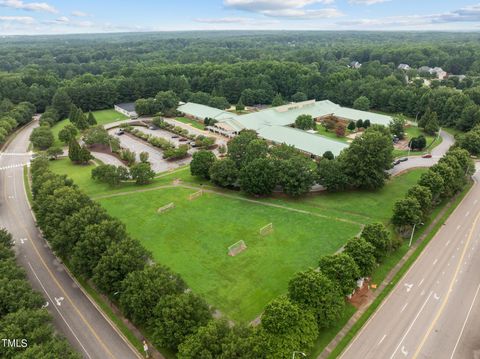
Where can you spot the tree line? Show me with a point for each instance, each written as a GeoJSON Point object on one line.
{"type": "Point", "coordinates": [22, 315]}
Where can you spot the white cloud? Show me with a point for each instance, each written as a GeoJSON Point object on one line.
{"type": "Point", "coordinates": [285, 8]}
{"type": "Point", "coordinates": [33, 6]}
{"type": "Point", "coordinates": [367, 2]}
{"type": "Point", "coordinates": [19, 19]}
{"type": "Point", "coordinates": [80, 14]}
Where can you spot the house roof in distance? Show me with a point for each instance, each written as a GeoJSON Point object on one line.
{"type": "Point", "coordinates": [127, 106]}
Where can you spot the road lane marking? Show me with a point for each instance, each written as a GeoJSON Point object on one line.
{"type": "Point", "coordinates": [60, 313]}
{"type": "Point", "coordinates": [419, 284]}
{"type": "Point", "coordinates": [435, 261]}
{"type": "Point", "coordinates": [404, 351]}
{"type": "Point", "coordinates": [436, 296]}
{"type": "Point", "coordinates": [465, 322]}
{"type": "Point", "coordinates": [459, 226]}
{"type": "Point", "coordinates": [448, 242]}
{"type": "Point", "coordinates": [381, 340]}
{"type": "Point", "coordinates": [475, 202]}
{"type": "Point", "coordinates": [411, 325]}
{"type": "Point", "coordinates": [408, 286]}
{"type": "Point", "coordinates": [82, 317]}
{"type": "Point", "coordinates": [452, 283]}
{"type": "Point", "coordinates": [403, 308]}
{"type": "Point", "coordinates": [467, 214]}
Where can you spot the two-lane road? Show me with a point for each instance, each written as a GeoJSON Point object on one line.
{"type": "Point", "coordinates": [434, 311]}
{"type": "Point", "coordinates": [75, 316]}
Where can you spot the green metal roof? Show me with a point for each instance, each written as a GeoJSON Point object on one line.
{"type": "Point", "coordinates": [202, 111]}
{"type": "Point", "coordinates": [307, 142]}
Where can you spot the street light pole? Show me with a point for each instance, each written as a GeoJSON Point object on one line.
{"type": "Point", "coordinates": [413, 232]}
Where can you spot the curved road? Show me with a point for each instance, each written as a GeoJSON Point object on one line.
{"type": "Point", "coordinates": [434, 311]}
{"type": "Point", "coordinates": [75, 316]}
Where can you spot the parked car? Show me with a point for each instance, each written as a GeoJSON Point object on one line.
{"type": "Point", "coordinates": [152, 127]}
{"type": "Point", "coordinates": [120, 132]}
{"type": "Point", "coordinates": [396, 162]}
{"type": "Point", "coordinates": [404, 159]}
{"type": "Point", "coordinates": [428, 155]}
{"type": "Point", "coordinates": [175, 136]}
{"type": "Point", "coordinates": [182, 139]}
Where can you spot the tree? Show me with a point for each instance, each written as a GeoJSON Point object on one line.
{"type": "Point", "coordinates": [299, 97]}
{"type": "Point", "coordinates": [362, 103]}
{"type": "Point", "coordinates": [427, 117]}
{"type": "Point", "coordinates": [239, 106]}
{"type": "Point", "coordinates": [118, 260]}
{"type": "Point", "coordinates": [340, 129]}
{"type": "Point", "coordinates": [141, 290]}
{"type": "Point", "coordinates": [351, 126]}
{"type": "Point", "coordinates": [277, 100]}
{"type": "Point", "coordinates": [61, 102]}
{"type": "Point", "coordinates": [74, 151]}
{"type": "Point", "coordinates": [469, 118]}
{"type": "Point", "coordinates": [418, 143]}
{"type": "Point", "coordinates": [54, 151]}
{"type": "Point", "coordinates": [84, 156]}
{"type": "Point", "coordinates": [296, 176]}
{"type": "Point", "coordinates": [201, 163]}
{"type": "Point", "coordinates": [6, 238]}
{"type": "Point", "coordinates": [397, 127]}
{"type": "Point", "coordinates": [237, 146]}
{"type": "Point", "coordinates": [258, 177]}
{"type": "Point", "coordinates": [177, 316]}
{"type": "Point", "coordinates": [406, 213]}
{"type": "Point", "coordinates": [67, 134]}
{"type": "Point", "coordinates": [314, 291]}
{"type": "Point", "coordinates": [128, 156]}
{"type": "Point", "coordinates": [144, 156]}
{"type": "Point", "coordinates": [218, 340]}
{"type": "Point", "coordinates": [470, 141]}
{"type": "Point", "coordinates": [341, 269]}
{"type": "Point", "coordinates": [110, 174]}
{"type": "Point", "coordinates": [224, 173]}
{"type": "Point", "coordinates": [377, 235]}
{"type": "Point", "coordinates": [366, 160]}
{"type": "Point", "coordinates": [80, 120]}
{"type": "Point", "coordinates": [97, 135]}
{"type": "Point", "coordinates": [331, 175]}
{"type": "Point", "coordinates": [450, 180]}
{"type": "Point", "coordinates": [91, 119]}
{"type": "Point", "coordinates": [166, 102]}
{"type": "Point", "coordinates": [424, 197]}
{"type": "Point", "coordinates": [363, 253]}
{"type": "Point", "coordinates": [359, 123]}
{"type": "Point", "coordinates": [142, 173]}
{"type": "Point", "coordinates": [432, 126]}
{"type": "Point", "coordinates": [305, 122]}
{"type": "Point", "coordinates": [366, 124]}
{"type": "Point", "coordinates": [434, 182]}
{"type": "Point", "coordinates": [42, 137]}
{"type": "Point", "coordinates": [328, 155]}
{"type": "Point", "coordinates": [95, 240]}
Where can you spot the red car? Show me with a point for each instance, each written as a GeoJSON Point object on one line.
{"type": "Point", "coordinates": [428, 155]}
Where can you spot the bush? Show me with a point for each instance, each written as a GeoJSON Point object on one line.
{"type": "Point", "coordinates": [42, 137]}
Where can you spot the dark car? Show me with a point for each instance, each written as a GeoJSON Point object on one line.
{"type": "Point", "coordinates": [404, 159]}
{"type": "Point", "coordinates": [120, 132]}
{"type": "Point", "coordinates": [175, 136]}
{"type": "Point", "coordinates": [428, 155]}
{"type": "Point", "coordinates": [396, 162]}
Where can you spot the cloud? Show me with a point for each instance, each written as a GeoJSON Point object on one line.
{"type": "Point", "coordinates": [33, 6]}
{"type": "Point", "coordinates": [285, 8]}
{"type": "Point", "coordinates": [27, 20]}
{"type": "Point", "coordinates": [80, 14]}
{"type": "Point", "coordinates": [224, 20]}
{"type": "Point", "coordinates": [466, 14]}
{"type": "Point", "coordinates": [367, 2]}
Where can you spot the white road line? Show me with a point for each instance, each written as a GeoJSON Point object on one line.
{"type": "Point", "coordinates": [459, 226]}
{"type": "Point", "coordinates": [403, 308]}
{"type": "Point", "coordinates": [475, 202]}
{"type": "Point", "coordinates": [381, 340]}
{"type": "Point", "coordinates": [61, 315]}
{"type": "Point", "coordinates": [465, 323]}
{"type": "Point", "coordinates": [419, 284]}
{"type": "Point", "coordinates": [467, 214]}
{"type": "Point", "coordinates": [448, 242]}
{"type": "Point", "coordinates": [411, 325]}
{"type": "Point", "coordinates": [435, 261]}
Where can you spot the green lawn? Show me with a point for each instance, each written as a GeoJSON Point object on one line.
{"type": "Point", "coordinates": [193, 238]}
{"type": "Point", "coordinates": [331, 134]}
{"type": "Point", "coordinates": [103, 117]}
{"type": "Point", "coordinates": [414, 131]}
{"type": "Point", "coordinates": [192, 123]}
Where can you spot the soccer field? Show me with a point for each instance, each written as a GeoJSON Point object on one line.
{"type": "Point", "coordinates": [193, 239]}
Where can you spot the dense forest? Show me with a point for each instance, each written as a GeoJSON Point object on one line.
{"type": "Point", "coordinates": [98, 71]}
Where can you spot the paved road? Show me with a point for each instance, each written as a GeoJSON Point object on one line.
{"type": "Point", "coordinates": [74, 315]}
{"type": "Point", "coordinates": [418, 161]}
{"type": "Point", "coordinates": [434, 311]}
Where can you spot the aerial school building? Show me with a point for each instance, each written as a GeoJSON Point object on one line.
{"type": "Point", "coordinates": [275, 124]}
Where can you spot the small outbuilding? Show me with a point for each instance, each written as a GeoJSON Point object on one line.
{"type": "Point", "coordinates": [128, 109]}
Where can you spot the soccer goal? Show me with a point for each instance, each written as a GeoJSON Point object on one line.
{"type": "Point", "coordinates": [266, 230]}
{"type": "Point", "coordinates": [165, 208]}
{"type": "Point", "coordinates": [236, 248]}
{"type": "Point", "coordinates": [195, 195]}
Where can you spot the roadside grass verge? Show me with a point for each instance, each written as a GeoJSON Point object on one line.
{"type": "Point", "coordinates": [190, 122]}
{"type": "Point", "coordinates": [399, 275]}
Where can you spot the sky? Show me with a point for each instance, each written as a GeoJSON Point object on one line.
{"type": "Point", "coordinates": [24, 17]}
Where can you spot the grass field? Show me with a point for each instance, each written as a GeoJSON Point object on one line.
{"type": "Point", "coordinates": [414, 131]}
{"type": "Point", "coordinates": [331, 134]}
{"type": "Point", "coordinates": [193, 238]}
{"type": "Point", "coordinates": [190, 122]}
{"type": "Point", "coordinates": [103, 117]}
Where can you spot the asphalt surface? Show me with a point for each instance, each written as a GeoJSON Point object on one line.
{"type": "Point", "coordinates": [418, 161]}
{"type": "Point", "coordinates": [74, 315]}
{"type": "Point", "coordinates": [434, 311]}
